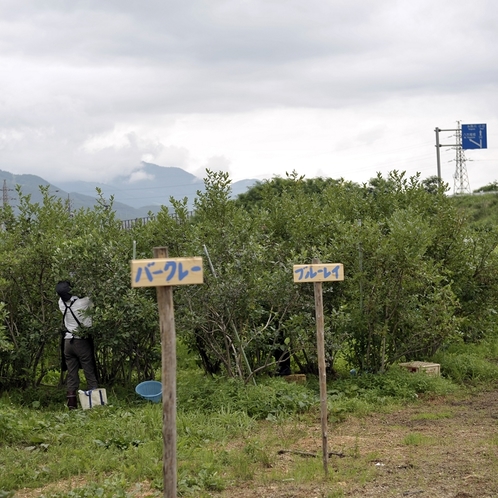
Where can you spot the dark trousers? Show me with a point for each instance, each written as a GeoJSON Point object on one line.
{"type": "Point", "coordinates": [79, 354]}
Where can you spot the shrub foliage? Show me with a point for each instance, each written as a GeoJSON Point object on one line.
{"type": "Point", "coordinates": [418, 276]}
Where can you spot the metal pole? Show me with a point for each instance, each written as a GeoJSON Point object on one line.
{"type": "Point", "coordinates": [5, 194]}
{"type": "Point", "coordinates": [438, 156]}
{"type": "Point", "coordinates": [438, 151]}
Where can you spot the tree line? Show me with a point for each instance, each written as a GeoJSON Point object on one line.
{"type": "Point", "coordinates": [418, 276]}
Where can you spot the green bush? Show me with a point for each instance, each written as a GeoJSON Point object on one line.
{"type": "Point", "coordinates": [470, 363]}
{"type": "Point", "coordinates": [468, 368]}
{"type": "Point", "coordinates": [271, 397]}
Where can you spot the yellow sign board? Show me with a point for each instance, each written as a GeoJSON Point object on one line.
{"type": "Point", "coordinates": [322, 272]}
{"type": "Point", "coordinates": [167, 271]}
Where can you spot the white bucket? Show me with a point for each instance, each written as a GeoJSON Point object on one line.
{"type": "Point", "coordinates": [92, 398]}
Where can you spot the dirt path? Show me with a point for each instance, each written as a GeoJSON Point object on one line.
{"type": "Point", "coordinates": [439, 448]}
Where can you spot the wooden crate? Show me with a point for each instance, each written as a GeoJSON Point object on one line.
{"type": "Point", "coordinates": [422, 366]}
{"type": "Point", "coordinates": [297, 378]}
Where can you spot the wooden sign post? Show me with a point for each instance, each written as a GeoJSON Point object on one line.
{"type": "Point", "coordinates": [318, 273]}
{"type": "Point", "coordinates": [163, 273]}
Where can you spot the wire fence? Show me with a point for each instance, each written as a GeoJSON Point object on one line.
{"type": "Point", "coordinates": [128, 224]}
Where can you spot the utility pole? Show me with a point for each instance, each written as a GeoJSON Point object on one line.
{"type": "Point", "coordinates": [438, 151]}
{"type": "Point", "coordinates": [5, 194]}
{"type": "Point", "coordinates": [461, 180]}
{"type": "Point", "coordinates": [5, 198]}
{"type": "Point", "coordinates": [460, 177]}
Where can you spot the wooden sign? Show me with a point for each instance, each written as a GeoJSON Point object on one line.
{"type": "Point", "coordinates": [317, 273]}
{"type": "Point", "coordinates": [322, 272]}
{"type": "Point", "coordinates": [166, 271]}
{"type": "Point", "coordinates": [163, 272]}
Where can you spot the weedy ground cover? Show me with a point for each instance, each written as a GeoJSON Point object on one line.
{"type": "Point", "coordinates": [229, 433]}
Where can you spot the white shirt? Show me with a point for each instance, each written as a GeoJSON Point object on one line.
{"type": "Point", "coordinates": [78, 307]}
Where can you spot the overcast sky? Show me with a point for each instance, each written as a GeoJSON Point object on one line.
{"type": "Point", "coordinates": [258, 88]}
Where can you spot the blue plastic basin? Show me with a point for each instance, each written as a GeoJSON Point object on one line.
{"type": "Point", "coordinates": [151, 390]}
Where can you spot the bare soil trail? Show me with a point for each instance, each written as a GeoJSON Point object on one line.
{"type": "Point", "coordinates": [437, 448]}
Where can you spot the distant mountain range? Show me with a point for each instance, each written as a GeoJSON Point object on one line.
{"type": "Point", "coordinates": [135, 195]}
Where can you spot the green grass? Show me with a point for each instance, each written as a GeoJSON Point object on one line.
{"type": "Point", "coordinates": [470, 364]}
{"type": "Point", "coordinates": [416, 439]}
{"type": "Point", "coordinates": [228, 432]}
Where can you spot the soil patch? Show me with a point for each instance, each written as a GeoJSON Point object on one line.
{"type": "Point", "coordinates": [437, 448]}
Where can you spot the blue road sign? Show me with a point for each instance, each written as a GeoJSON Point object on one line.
{"type": "Point", "coordinates": [474, 136]}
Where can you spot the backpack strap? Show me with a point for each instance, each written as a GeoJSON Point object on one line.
{"type": "Point", "coordinates": [64, 316]}
{"type": "Point", "coordinates": [72, 313]}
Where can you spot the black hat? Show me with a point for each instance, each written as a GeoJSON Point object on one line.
{"type": "Point", "coordinates": [63, 288]}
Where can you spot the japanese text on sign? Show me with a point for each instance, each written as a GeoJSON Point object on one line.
{"type": "Point", "coordinates": [170, 271]}
{"type": "Point", "coordinates": [326, 272]}
{"type": "Point", "coordinates": [474, 136]}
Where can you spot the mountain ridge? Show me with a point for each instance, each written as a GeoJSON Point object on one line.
{"type": "Point", "coordinates": [134, 196]}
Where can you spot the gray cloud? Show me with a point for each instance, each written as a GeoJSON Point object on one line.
{"type": "Point", "coordinates": [128, 72]}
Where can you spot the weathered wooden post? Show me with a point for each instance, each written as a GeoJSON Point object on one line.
{"type": "Point", "coordinates": [163, 273]}
{"type": "Point", "coordinates": [318, 273]}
